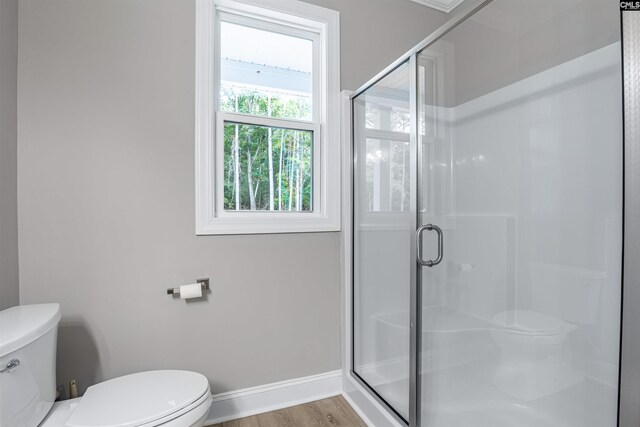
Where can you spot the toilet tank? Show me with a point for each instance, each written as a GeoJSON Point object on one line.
{"type": "Point", "coordinates": [567, 292]}
{"type": "Point", "coordinates": [28, 336]}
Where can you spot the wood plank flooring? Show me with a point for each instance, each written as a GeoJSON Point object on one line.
{"type": "Point", "coordinates": [331, 412]}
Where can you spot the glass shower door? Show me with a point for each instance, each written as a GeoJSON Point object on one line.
{"type": "Point", "coordinates": [383, 227]}
{"type": "Point", "coordinates": [520, 154]}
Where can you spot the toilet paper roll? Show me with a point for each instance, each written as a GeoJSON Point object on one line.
{"type": "Point", "coordinates": [193, 290]}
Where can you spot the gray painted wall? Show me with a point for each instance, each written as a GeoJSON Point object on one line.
{"type": "Point", "coordinates": [9, 291]}
{"type": "Point", "coordinates": [106, 199]}
{"type": "Point", "coordinates": [491, 54]}
{"type": "Point", "coordinates": [374, 33]}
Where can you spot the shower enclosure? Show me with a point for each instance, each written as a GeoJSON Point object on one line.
{"type": "Point", "coordinates": [487, 220]}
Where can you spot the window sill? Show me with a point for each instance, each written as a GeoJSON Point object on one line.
{"type": "Point", "coordinates": [249, 223]}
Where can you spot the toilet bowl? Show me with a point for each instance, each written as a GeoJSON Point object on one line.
{"type": "Point", "coordinates": [169, 398]}
{"type": "Point", "coordinates": [532, 362]}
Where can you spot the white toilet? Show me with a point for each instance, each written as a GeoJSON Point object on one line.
{"type": "Point", "coordinates": [28, 384]}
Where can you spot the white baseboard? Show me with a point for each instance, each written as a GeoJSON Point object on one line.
{"type": "Point", "coordinates": [270, 397]}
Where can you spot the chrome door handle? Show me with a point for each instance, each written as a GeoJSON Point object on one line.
{"type": "Point", "coordinates": [13, 364]}
{"type": "Point", "coordinates": [421, 229]}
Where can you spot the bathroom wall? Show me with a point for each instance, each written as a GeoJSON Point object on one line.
{"type": "Point", "coordinates": [375, 33]}
{"type": "Point", "coordinates": [9, 291]}
{"type": "Point", "coordinates": [552, 33]}
{"type": "Point", "coordinates": [106, 198]}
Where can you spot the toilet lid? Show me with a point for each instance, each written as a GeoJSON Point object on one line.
{"type": "Point", "coordinates": [138, 399]}
{"type": "Point", "coordinates": [529, 321]}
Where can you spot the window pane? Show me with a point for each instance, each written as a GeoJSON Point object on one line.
{"type": "Point", "coordinates": [267, 168]}
{"type": "Point", "coordinates": [387, 175]}
{"type": "Point", "coordinates": [265, 73]}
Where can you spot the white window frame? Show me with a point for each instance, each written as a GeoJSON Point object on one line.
{"type": "Point", "coordinates": [294, 16]}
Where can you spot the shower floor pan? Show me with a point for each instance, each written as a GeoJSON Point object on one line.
{"type": "Point", "coordinates": [458, 367]}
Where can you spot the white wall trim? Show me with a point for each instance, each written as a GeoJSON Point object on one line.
{"type": "Point", "coordinates": [365, 405]}
{"type": "Point", "coordinates": [346, 234]}
{"type": "Point", "coordinates": [270, 397]}
{"type": "Point", "coordinates": [441, 5]}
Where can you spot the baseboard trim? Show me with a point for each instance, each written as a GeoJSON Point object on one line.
{"type": "Point", "coordinates": [270, 397]}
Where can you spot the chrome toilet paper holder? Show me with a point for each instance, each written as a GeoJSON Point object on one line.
{"type": "Point", "coordinates": [203, 282]}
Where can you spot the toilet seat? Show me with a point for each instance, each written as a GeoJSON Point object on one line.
{"type": "Point", "coordinates": [143, 399]}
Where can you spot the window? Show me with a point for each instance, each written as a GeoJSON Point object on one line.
{"type": "Point", "coordinates": [267, 111]}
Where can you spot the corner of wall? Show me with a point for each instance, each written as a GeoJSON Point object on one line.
{"type": "Point", "coordinates": [9, 286]}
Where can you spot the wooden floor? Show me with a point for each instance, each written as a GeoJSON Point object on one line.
{"type": "Point", "coordinates": [331, 412]}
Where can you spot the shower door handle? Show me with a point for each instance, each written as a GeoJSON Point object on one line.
{"type": "Point", "coordinates": [438, 230]}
